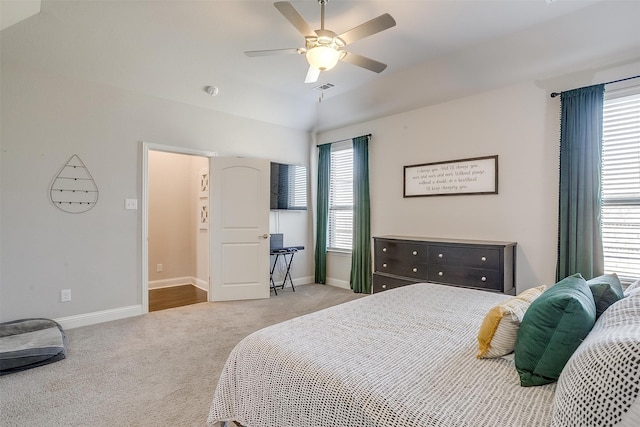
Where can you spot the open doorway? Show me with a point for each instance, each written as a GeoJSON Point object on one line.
{"type": "Point", "coordinates": [178, 229]}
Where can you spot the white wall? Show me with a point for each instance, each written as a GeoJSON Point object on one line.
{"type": "Point", "coordinates": [520, 124]}
{"type": "Point", "coordinates": [295, 226]}
{"type": "Point", "coordinates": [45, 119]}
{"type": "Point", "coordinates": [171, 220]}
{"type": "Point", "coordinates": [175, 238]}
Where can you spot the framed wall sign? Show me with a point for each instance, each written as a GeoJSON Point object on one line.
{"type": "Point", "coordinates": [478, 175]}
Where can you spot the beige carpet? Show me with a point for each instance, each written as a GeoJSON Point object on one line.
{"type": "Point", "coordinates": [159, 369]}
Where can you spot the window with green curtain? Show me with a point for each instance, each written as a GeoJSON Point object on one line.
{"type": "Point", "coordinates": [361, 245]}
{"type": "Point", "coordinates": [324, 168]}
{"type": "Point", "coordinates": [341, 197]}
{"type": "Point", "coordinates": [344, 209]}
{"type": "Point", "coordinates": [579, 223]}
{"type": "Point", "coordinates": [621, 183]}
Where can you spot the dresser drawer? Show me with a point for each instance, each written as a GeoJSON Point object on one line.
{"type": "Point", "coordinates": [381, 282]}
{"type": "Point", "coordinates": [406, 268]}
{"type": "Point", "coordinates": [484, 258]}
{"type": "Point", "coordinates": [469, 277]}
{"type": "Point", "coordinates": [395, 256]}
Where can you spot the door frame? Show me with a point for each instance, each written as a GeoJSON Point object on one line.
{"type": "Point", "coordinates": [144, 211]}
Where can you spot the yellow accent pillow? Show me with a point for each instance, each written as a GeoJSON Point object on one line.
{"type": "Point", "coordinates": [499, 329]}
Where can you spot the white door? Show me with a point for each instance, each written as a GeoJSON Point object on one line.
{"type": "Point", "coordinates": [239, 225]}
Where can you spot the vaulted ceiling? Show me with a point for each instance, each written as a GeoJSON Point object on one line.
{"type": "Point", "coordinates": [439, 50]}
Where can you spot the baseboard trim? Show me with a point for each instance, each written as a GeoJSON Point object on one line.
{"type": "Point", "coordinates": [96, 317]}
{"type": "Point", "coordinates": [86, 319]}
{"type": "Point", "coordinates": [302, 281]}
{"type": "Point", "coordinates": [202, 284]}
{"type": "Point", "coordinates": [338, 283]}
{"type": "Point", "coordinates": [299, 281]}
{"type": "Point", "coordinates": [178, 281]}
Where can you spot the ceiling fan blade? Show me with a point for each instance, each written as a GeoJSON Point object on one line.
{"type": "Point", "coordinates": [271, 52]}
{"type": "Point", "coordinates": [364, 62]}
{"type": "Point", "coordinates": [292, 15]}
{"type": "Point", "coordinates": [373, 26]}
{"type": "Point", "coordinates": [312, 75]}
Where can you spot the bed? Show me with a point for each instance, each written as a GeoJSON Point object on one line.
{"type": "Point", "coordinates": [404, 358]}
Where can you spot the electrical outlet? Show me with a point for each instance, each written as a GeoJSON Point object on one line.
{"type": "Point", "coordinates": [159, 267]}
{"type": "Point", "coordinates": [131, 204]}
{"type": "Point", "coordinates": [65, 295]}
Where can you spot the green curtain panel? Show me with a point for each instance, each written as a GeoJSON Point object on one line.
{"type": "Point", "coordinates": [324, 168]}
{"type": "Point", "coordinates": [361, 246]}
{"type": "Point", "coordinates": [579, 226]}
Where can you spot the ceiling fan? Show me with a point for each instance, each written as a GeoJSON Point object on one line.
{"type": "Point", "coordinates": [323, 48]}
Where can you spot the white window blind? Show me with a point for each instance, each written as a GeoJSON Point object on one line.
{"type": "Point", "coordinates": [341, 197]}
{"type": "Point", "coordinates": [297, 187]}
{"type": "Point", "coordinates": [621, 185]}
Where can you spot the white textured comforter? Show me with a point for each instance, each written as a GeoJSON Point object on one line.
{"type": "Point", "coordinates": [404, 357]}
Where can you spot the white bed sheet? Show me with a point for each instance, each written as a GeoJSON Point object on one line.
{"type": "Point", "coordinates": [402, 358]}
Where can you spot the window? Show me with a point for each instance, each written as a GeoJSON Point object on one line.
{"type": "Point", "coordinates": [621, 184]}
{"type": "Point", "coordinates": [341, 197]}
{"type": "Point", "coordinates": [288, 186]}
{"type": "Point", "coordinates": [298, 192]}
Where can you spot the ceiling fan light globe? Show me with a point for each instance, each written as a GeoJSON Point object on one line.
{"type": "Point", "coordinates": [323, 58]}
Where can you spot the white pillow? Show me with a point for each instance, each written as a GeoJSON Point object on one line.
{"type": "Point", "coordinates": [632, 288]}
{"type": "Point", "coordinates": [499, 329]}
{"type": "Point", "coordinates": [599, 383]}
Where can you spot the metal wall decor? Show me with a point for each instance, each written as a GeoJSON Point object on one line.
{"type": "Point", "coordinates": [73, 190]}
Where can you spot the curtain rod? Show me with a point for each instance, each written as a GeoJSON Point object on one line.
{"type": "Point", "coordinates": [343, 140]}
{"type": "Point", "coordinates": [554, 94]}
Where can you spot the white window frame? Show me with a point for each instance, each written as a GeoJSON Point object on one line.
{"type": "Point", "coordinates": [621, 184]}
{"type": "Point", "coordinates": [340, 221]}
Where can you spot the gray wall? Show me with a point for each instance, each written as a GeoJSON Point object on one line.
{"type": "Point", "coordinates": [45, 119]}
{"type": "Point", "coordinates": [520, 124]}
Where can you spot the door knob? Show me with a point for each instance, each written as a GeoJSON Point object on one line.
{"type": "Point", "coordinates": [264, 236]}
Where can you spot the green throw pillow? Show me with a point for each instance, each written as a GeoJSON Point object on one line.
{"type": "Point", "coordinates": [606, 290]}
{"type": "Point", "coordinates": [552, 328]}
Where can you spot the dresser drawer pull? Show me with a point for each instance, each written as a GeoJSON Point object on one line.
{"type": "Point", "coordinates": [415, 270]}
{"type": "Point", "coordinates": [440, 256]}
{"type": "Point", "coordinates": [484, 258]}
{"type": "Point", "coordinates": [415, 252]}
{"type": "Point", "coordinates": [384, 249]}
{"type": "Point", "coordinates": [484, 279]}
{"type": "Point", "coordinates": [440, 273]}
{"type": "Point", "coordinates": [384, 265]}
{"type": "Point", "coordinates": [384, 286]}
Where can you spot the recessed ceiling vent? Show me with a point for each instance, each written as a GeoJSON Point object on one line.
{"type": "Point", "coordinates": [324, 87]}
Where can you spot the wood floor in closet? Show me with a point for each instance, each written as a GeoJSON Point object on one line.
{"type": "Point", "coordinates": [175, 296]}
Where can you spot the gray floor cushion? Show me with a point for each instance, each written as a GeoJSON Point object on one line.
{"type": "Point", "coordinates": [28, 343]}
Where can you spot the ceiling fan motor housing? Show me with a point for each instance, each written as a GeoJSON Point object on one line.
{"type": "Point", "coordinates": [324, 48]}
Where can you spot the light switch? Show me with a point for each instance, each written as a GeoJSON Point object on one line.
{"type": "Point", "coordinates": [131, 204]}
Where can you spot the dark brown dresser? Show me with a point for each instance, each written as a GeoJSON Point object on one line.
{"type": "Point", "coordinates": [478, 264]}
